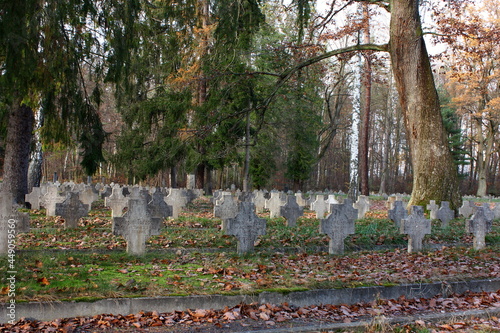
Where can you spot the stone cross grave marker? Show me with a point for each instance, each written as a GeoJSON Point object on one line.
{"type": "Point", "coordinates": [362, 205]}
{"type": "Point", "coordinates": [301, 201]}
{"type": "Point", "coordinates": [216, 196]}
{"type": "Point", "coordinates": [106, 191]}
{"type": "Point", "coordinates": [177, 199]}
{"type": "Point", "coordinates": [398, 213]}
{"type": "Point", "coordinates": [136, 226]}
{"type": "Point", "coordinates": [116, 201]}
{"type": "Point", "coordinates": [225, 208]}
{"type": "Point", "coordinates": [332, 200]}
{"type": "Point", "coordinates": [320, 206]}
{"type": "Point", "coordinates": [468, 208]}
{"type": "Point", "coordinates": [10, 219]}
{"type": "Point", "coordinates": [392, 199]}
{"type": "Point", "coordinates": [51, 198]}
{"type": "Point", "coordinates": [479, 225]}
{"type": "Point", "coordinates": [157, 205]}
{"type": "Point", "coordinates": [291, 211]}
{"type": "Point", "coordinates": [259, 201]}
{"type": "Point", "coordinates": [246, 226]}
{"type": "Point", "coordinates": [34, 197]}
{"type": "Point", "coordinates": [71, 210]}
{"type": "Point", "coordinates": [338, 225]}
{"type": "Point", "coordinates": [274, 204]}
{"type": "Point", "coordinates": [445, 214]}
{"type": "Point", "coordinates": [416, 226]}
{"type": "Point", "coordinates": [135, 192]}
{"type": "Point", "coordinates": [88, 196]}
{"type": "Point", "coordinates": [432, 207]}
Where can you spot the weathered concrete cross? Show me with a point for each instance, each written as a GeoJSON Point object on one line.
{"type": "Point", "coordinates": [246, 226]}
{"type": "Point", "coordinates": [177, 199]}
{"type": "Point", "coordinates": [291, 211]}
{"type": "Point", "coordinates": [158, 207]}
{"type": "Point", "coordinates": [319, 206]}
{"type": "Point", "coordinates": [50, 199]}
{"type": "Point", "coordinates": [445, 214]}
{"type": "Point", "coordinates": [34, 197]}
{"type": "Point", "coordinates": [432, 207]}
{"type": "Point", "coordinates": [225, 208]}
{"type": "Point", "coordinates": [468, 208]}
{"type": "Point", "coordinates": [71, 210]}
{"type": "Point", "coordinates": [116, 201]}
{"type": "Point", "coordinates": [362, 205]}
{"type": "Point", "coordinates": [416, 226]}
{"type": "Point", "coordinates": [136, 226]}
{"type": "Point", "coordinates": [338, 225]}
{"type": "Point", "coordinates": [88, 196]}
{"type": "Point", "coordinates": [274, 204]}
{"type": "Point", "coordinates": [397, 213]}
{"type": "Point", "coordinates": [259, 201]}
{"type": "Point", "coordinates": [479, 225]}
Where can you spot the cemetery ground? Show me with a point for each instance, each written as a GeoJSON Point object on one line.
{"type": "Point", "coordinates": [192, 256]}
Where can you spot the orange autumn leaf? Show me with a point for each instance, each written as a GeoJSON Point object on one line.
{"type": "Point", "coordinates": [43, 281]}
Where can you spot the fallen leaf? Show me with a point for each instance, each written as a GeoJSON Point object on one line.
{"type": "Point", "coordinates": [229, 316]}
{"type": "Point", "coordinates": [199, 313]}
{"type": "Point", "coordinates": [264, 316]}
{"type": "Point", "coordinates": [43, 281]}
{"type": "Point", "coordinates": [420, 323]}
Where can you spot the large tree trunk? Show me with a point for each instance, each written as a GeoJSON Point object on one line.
{"type": "Point", "coordinates": [17, 152]}
{"type": "Point", "coordinates": [434, 174]}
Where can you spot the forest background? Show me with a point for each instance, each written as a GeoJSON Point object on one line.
{"type": "Point", "coordinates": [233, 92]}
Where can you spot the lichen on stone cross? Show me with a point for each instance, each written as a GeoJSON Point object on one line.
{"type": "Point", "coordinates": [225, 208]}
{"type": "Point", "coordinates": [158, 207]}
{"type": "Point", "coordinates": [445, 214]}
{"type": "Point", "coordinates": [274, 204]}
{"type": "Point", "coordinates": [416, 226]}
{"type": "Point", "coordinates": [136, 226]}
{"type": "Point", "coordinates": [338, 225]}
{"type": "Point", "coordinates": [320, 206]}
{"type": "Point", "coordinates": [71, 210]}
{"type": "Point", "coordinates": [479, 225]}
{"type": "Point", "coordinates": [432, 207]}
{"type": "Point", "coordinates": [397, 213]}
{"type": "Point", "coordinates": [246, 226]}
{"type": "Point", "coordinates": [291, 211]}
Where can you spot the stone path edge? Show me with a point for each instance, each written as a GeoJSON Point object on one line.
{"type": "Point", "coordinates": [433, 317]}
{"type": "Point", "coordinates": [45, 311]}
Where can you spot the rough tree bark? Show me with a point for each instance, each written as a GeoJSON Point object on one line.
{"type": "Point", "coordinates": [434, 174]}
{"type": "Point", "coordinates": [365, 118]}
{"type": "Point", "coordinates": [17, 151]}
{"type": "Point", "coordinates": [36, 156]}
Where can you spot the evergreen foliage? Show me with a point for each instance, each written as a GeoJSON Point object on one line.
{"type": "Point", "coordinates": [43, 46]}
{"type": "Point", "coordinates": [451, 123]}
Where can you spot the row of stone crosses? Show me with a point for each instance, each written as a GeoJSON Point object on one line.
{"type": "Point", "coordinates": [337, 219]}
{"type": "Point", "coordinates": [137, 213]}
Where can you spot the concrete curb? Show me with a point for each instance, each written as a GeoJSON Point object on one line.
{"type": "Point", "coordinates": [53, 310]}
{"type": "Point", "coordinates": [434, 317]}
